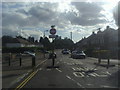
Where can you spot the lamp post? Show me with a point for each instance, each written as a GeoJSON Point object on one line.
{"type": "Point", "coordinates": [44, 33]}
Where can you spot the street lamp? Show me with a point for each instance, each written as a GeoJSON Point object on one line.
{"type": "Point", "coordinates": [44, 32]}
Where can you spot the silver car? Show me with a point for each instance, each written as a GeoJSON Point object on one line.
{"type": "Point", "coordinates": [78, 55]}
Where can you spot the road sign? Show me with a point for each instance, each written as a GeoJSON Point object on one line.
{"type": "Point", "coordinates": [52, 31]}
{"type": "Point", "coordinates": [52, 36]}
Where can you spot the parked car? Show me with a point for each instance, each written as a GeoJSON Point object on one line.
{"type": "Point", "coordinates": [78, 55]}
{"type": "Point", "coordinates": [65, 51]}
{"type": "Point", "coordinates": [51, 55]}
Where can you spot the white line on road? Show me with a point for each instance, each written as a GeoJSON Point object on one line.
{"type": "Point", "coordinates": [79, 84]}
{"type": "Point", "coordinates": [74, 81]}
{"type": "Point", "coordinates": [58, 70]}
{"type": "Point", "coordinates": [78, 74]}
{"type": "Point", "coordinates": [68, 77]}
{"type": "Point", "coordinates": [40, 68]}
{"type": "Point", "coordinates": [96, 74]}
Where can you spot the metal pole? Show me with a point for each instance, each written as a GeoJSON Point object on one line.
{"type": "Point", "coordinates": [33, 61]}
{"type": "Point", "coordinates": [44, 34]}
{"type": "Point", "coordinates": [53, 58]}
{"type": "Point", "coordinates": [9, 59]}
{"type": "Point", "coordinates": [71, 35]}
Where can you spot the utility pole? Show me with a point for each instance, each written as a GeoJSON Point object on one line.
{"type": "Point", "coordinates": [71, 35]}
{"type": "Point", "coordinates": [44, 33]}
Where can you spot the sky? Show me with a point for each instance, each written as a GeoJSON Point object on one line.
{"type": "Point", "coordinates": [31, 18]}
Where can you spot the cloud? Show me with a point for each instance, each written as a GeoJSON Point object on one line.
{"type": "Point", "coordinates": [116, 14]}
{"type": "Point", "coordinates": [44, 14]}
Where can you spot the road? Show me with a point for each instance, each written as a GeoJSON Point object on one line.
{"type": "Point", "coordinates": [72, 73]}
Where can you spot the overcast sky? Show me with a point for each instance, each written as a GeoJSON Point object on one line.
{"type": "Point", "coordinates": [80, 18]}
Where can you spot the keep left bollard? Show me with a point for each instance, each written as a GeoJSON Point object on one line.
{"type": "Point", "coordinates": [33, 61]}
{"type": "Point", "coordinates": [20, 59]}
{"type": "Point", "coordinates": [9, 59]}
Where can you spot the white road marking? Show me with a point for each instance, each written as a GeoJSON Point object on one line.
{"type": "Point", "coordinates": [77, 69]}
{"type": "Point", "coordinates": [40, 68]}
{"type": "Point", "coordinates": [79, 84]}
{"type": "Point", "coordinates": [74, 81]}
{"type": "Point", "coordinates": [78, 74]}
{"type": "Point", "coordinates": [89, 84]}
{"type": "Point", "coordinates": [73, 69]}
{"type": "Point", "coordinates": [105, 86]}
{"type": "Point", "coordinates": [91, 74]}
{"type": "Point", "coordinates": [103, 76]}
{"type": "Point", "coordinates": [58, 70]}
{"type": "Point", "coordinates": [108, 73]}
{"type": "Point", "coordinates": [68, 77]}
{"type": "Point", "coordinates": [96, 74]}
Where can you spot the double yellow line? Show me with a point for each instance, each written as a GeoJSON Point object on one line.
{"type": "Point", "coordinates": [26, 80]}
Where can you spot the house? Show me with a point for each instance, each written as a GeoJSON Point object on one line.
{"type": "Point", "coordinates": [21, 42]}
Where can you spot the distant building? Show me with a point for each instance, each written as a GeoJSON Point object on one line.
{"type": "Point", "coordinates": [19, 42]}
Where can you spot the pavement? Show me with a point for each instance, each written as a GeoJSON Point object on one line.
{"type": "Point", "coordinates": [15, 73]}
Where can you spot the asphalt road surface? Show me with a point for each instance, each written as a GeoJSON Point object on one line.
{"type": "Point", "coordinates": [72, 73]}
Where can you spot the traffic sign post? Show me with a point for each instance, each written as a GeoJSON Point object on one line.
{"type": "Point", "coordinates": [53, 32]}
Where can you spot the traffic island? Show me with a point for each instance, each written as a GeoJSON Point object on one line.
{"type": "Point", "coordinates": [104, 65]}
{"type": "Point", "coordinates": [49, 67]}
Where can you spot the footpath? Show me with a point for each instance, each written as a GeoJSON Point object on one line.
{"type": "Point", "coordinates": [14, 72]}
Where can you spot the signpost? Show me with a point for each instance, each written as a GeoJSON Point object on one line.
{"type": "Point", "coordinates": [53, 32]}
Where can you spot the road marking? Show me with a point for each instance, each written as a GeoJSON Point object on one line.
{"type": "Point", "coordinates": [96, 74]}
{"type": "Point", "coordinates": [29, 77]}
{"type": "Point", "coordinates": [26, 80]}
{"type": "Point", "coordinates": [78, 74]}
{"type": "Point", "coordinates": [103, 76]}
{"type": "Point", "coordinates": [78, 69]}
{"type": "Point", "coordinates": [89, 84]}
{"type": "Point", "coordinates": [58, 70]}
{"type": "Point", "coordinates": [68, 77]}
{"type": "Point", "coordinates": [41, 63]}
{"type": "Point", "coordinates": [79, 84]}
{"type": "Point", "coordinates": [108, 73]}
{"type": "Point", "coordinates": [105, 86]}
{"type": "Point", "coordinates": [40, 68]}
{"type": "Point", "coordinates": [92, 74]}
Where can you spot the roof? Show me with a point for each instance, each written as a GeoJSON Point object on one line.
{"type": "Point", "coordinates": [22, 41]}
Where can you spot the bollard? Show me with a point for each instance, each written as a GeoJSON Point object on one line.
{"type": "Point", "coordinates": [20, 61]}
{"type": "Point", "coordinates": [9, 59]}
{"type": "Point", "coordinates": [53, 59]}
{"type": "Point", "coordinates": [99, 58]}
{"type": "Point", "coordinates": [108, 63]}
{"type": "Point", "coordinates": [33, 61]}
